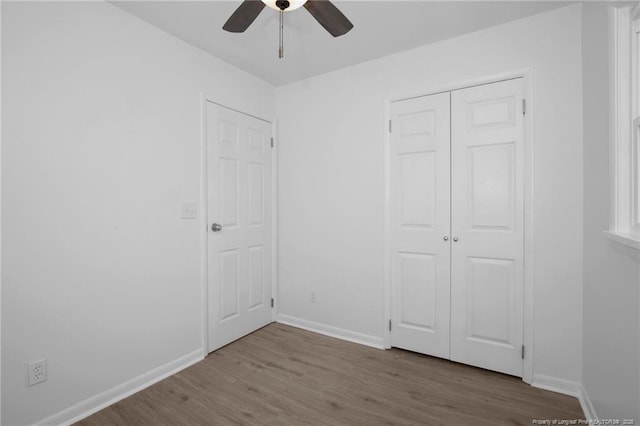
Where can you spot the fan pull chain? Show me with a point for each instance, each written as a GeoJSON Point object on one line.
{"type": "Point", "coordinates": [281, 49]}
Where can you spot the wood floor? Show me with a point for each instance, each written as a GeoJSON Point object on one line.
{"type": "Point", "coordinates": [282, 375]}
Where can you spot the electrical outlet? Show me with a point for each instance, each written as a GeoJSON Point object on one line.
{"type": "Point", "coordinates": [314, 299]}
{"type": "Point", "coordinates": [37, 372]}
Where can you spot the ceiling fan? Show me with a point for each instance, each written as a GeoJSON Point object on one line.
{"type": "Point", "coordinates": [323, 11]}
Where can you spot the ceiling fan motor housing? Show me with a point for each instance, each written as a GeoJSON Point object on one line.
{"type": "Point", "coordinates": [283, 4]}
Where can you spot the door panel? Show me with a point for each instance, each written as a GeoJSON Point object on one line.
{"type": "Point", "coordinates": [239, 199]}
{"type": "Point", "coordinates": [492, 198]}
{"type": "Point", "coordinates": [417, 285]}
{"type": "Point", "coordinates": [256, 194]}
{"type": "Point", "coordinates": [256, 276]}
{"type": "Point", "coordinates": [229, 286]}
{"type": "Point", "coordinates": [487, 222]}
{"type": "Point", "coordinates": [228, 183]}
{"type": "Point", "coordinates": [490, 301]}
{"type": "Point", "coordinates": [419, 201]}
{"type": "Point", "coordinates": [418, 189]}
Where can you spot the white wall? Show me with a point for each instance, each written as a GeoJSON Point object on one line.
{"type": "Point", "coordinates": [0, 223]}
{"type": "Point", "coordinates": [611, 360]}
{"type": "Point", "coordinates": [331, 193]}
{"type": "Point", "coordinates": [101, 138]}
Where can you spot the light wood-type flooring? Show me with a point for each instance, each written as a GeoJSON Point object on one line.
{"type": "Point", "coordinates": [282, 375]}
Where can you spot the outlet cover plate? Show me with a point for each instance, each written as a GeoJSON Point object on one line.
{"type": "Point", "coordinates": [37, 372]}
{"type": "Point", "coordinates": [189, 210]}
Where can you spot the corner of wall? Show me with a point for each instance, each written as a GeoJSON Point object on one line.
{"type": "Point", "coordinates": [587, 406]}
{"type": "Point", "coordinates": [554, 384]}
{"type": "Point", "coordinates": [567, 387]}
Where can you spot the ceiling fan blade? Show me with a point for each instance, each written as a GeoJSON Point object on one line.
{"type": "Point", "coordinates": [244, 15]}
{"type": "Point", "coordinates": [329, 17]}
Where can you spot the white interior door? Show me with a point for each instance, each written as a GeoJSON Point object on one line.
{"type": "Point", "coordinates": [419, 207]}
{"type": "Point", "coordinates": [487, 226]}
{"type": "Point", "coordinates": [239, 220]}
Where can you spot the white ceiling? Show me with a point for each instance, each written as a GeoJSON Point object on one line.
{"type": "Point", "coordinates": [380, 28]}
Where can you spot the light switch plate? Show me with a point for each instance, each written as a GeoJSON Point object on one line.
{"type": "Point", "coordinates": [189, 210]}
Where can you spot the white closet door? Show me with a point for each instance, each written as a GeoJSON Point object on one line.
{"type": "Point", "coordinates": [239, 187]}
{"type": "Point", "coordinates": [487, 226]}
{"type": "Point", "coordinates": [419, 207]}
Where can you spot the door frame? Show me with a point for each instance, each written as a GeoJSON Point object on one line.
{"type": "Point", "coordinates": [204, 213]}
{"type": "Point", "coordinates": [528, 283]}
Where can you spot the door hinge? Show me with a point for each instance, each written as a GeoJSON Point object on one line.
{"type": "Point", "coordinates": [524, 107]}
{"type": "Point", "coordinates": [522, 354]}
{"type": "Point", "coordinates": [272, 302]}
{"type": "Point", "coordinates": [271, 142]}
{"type": "Point", "coordinates": [390, 127]}
{"type": "Point", "coordinates": [389, 325]}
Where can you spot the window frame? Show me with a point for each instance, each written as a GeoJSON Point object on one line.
{"type": "Point", "coordinates": [624, 224]}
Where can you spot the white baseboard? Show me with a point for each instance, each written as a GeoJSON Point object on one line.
{"type": "Point", "coordinates": [98, 402]}
{"type": "Point", "coordinates": [566, 387]}
{"type": "Point", "coordinates": [331, 331]}
{"type": "Point", "coordinates": [587, 406]}
{"type": "Point", "coordinates": [554, 384]}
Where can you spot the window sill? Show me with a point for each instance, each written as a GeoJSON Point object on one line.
{"type": "Point", "coordinates": [626, 239]}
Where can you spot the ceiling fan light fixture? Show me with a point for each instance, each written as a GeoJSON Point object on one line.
{"type": "Point", "coordinates": [293, 4]}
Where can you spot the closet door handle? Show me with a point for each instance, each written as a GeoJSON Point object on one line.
{"type": "Point", "coordinates": [455, 239]}
{"type": "Point", "coordinates": [446, 238]}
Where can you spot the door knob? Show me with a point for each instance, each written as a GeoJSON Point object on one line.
{"type": "Point", "coordinates": [216, 227]}
{"type": "Point", "coordinates": [446, 238]}
{"type": "Point", "coordinates": [455, 239]}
